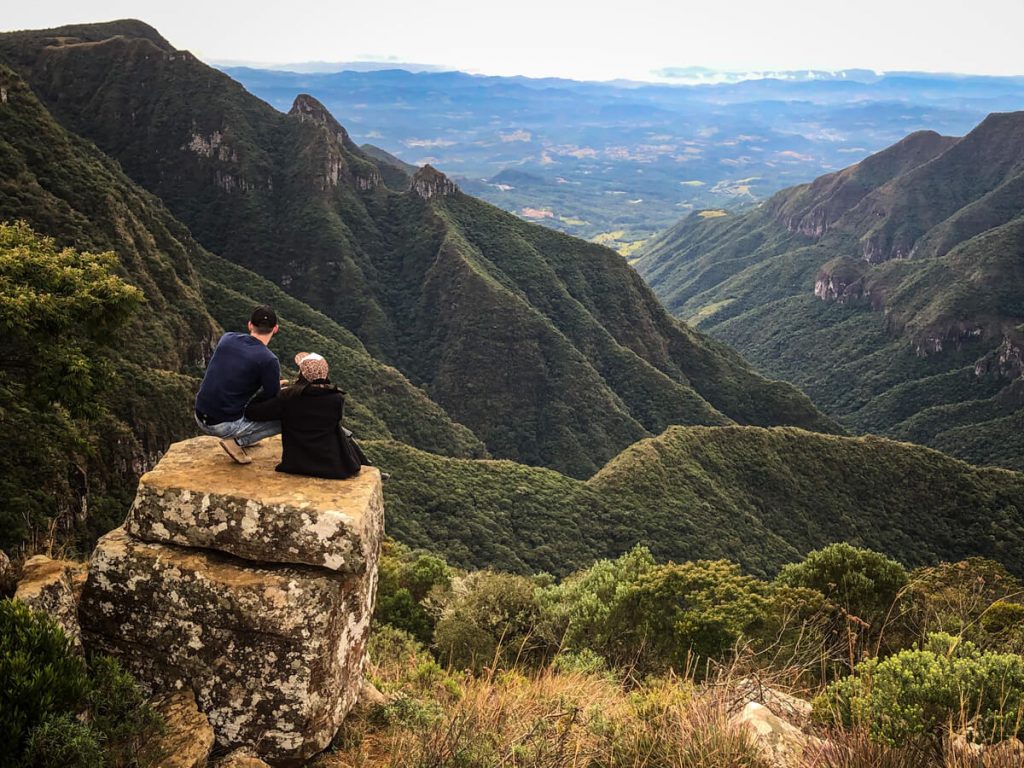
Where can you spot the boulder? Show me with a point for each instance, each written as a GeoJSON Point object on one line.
{"type": "Point", "coordinates": [782, 744]}
{"type": "Point", "coordinates": [264, 617]}
{"type": "Point", "coordinates": [1003, 753]}
{"type": "Point", "coordinates": [8, 576]}
{"type": "Point", "coordinates": [240, 758]}
{"type": "Point", "coordinates": [53, 587]}
{"type": "Point", "coordinates": [187, 739]}
{"type": "Point", "coordinates": [255, 513]}
{"type": "Point", "coordinates": [273, 653]}
{"type": "Point", "coordinates": [370, 697]}
{"type": "Point", "coordinates": [790, 708]}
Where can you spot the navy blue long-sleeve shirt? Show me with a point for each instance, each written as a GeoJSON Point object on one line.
{"type": "Point", "coordinates": [241, 365]}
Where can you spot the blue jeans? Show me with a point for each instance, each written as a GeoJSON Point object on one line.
{"type": "Point", "coordinates": [245, 431]}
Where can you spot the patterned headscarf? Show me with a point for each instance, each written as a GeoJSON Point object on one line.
{"type": "Point", "coordinates": [312, 366]}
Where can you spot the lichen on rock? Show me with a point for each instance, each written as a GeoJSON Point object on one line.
{"type": "Point", "coordinates": [273, 650]}
{"type": "Point", "coordinates": [197, 497]}
{"type": "Point", "coordinates": [52, 587]}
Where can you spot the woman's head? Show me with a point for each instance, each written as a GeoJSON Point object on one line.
{"type": "Point", "coordinates": [312, 366]}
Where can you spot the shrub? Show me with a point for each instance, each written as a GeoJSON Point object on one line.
{"type": "Point", "coordinates": [60, 741]}
{"type": "Point", "coordinates": [44, 684]}
{"type": "Point", "coordinates": [120, 715]}
{"type": "Point", "coordinates": [575, 611]}
{"type": "Point", "coordinates": [407, 583]}
{"type": "Point", "coordinates": [973, 598]}
{"type": "Point", "coordinates": [948, 683]}
{"type": "Point", "coordinates": [40, 676]}
{"type": "Point", "coordinates": [492, 617]}
{"type": "Point", "coordinates": [678, 611]}
{"type": "Point", "coordinates": [863, 583]}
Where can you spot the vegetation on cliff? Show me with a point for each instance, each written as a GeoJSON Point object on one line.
{"type": "Point", "coordinates": [889, 291]}
{"type": "Point", "coordinates": [759, 497]}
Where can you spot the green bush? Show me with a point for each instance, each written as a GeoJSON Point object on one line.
{"type": "Point", "coordinates": [863, 583]}
{"type": "Point", "coordinates": [45, 685]}
{"type": "Point", "coordinates": [976, 598]}
{"type": "Point", "coordinates": [576, 610]}
{"type": "Point", "coordinates": [947, 683]}
{"type": "Point", "coordinates": [407, 583]}
{"type": "Point", "coordinates": [677, 612]}
{"type": "Point", "coordinates": [493, 618]}
{"type": "Point", "coordinates": [120, 715]}
{"type": "Point", "coordinates": [60, 741]}
{"type": "Point", "coordinates": [39, 676]}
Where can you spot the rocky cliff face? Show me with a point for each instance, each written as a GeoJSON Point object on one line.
{"type": "Point", "coordinates": [251, 588]}
{"type": "Point", "coordinates": [429, 182]}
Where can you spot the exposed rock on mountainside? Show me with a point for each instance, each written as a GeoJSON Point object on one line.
{"type": "Point", "coordinates": [53, 587]}
{"type": "Point", "coordinates": [428, 182]}
{"type": "Point", "coordinates": [922, 245]}
{"type": "Point", "coordinates": [273, 650]}
{"type": "Point", "coordinates": [549, 348]}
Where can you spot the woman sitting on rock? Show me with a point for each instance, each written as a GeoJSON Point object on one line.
{"type": "Point", "coordinates": [313, 440]}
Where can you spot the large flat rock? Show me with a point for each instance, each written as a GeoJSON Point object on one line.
{"type": "Point", "coordinates": [273, 653]}
{"type": "Point", "coordinates": [198, 497]}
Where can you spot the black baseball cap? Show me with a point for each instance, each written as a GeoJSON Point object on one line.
{"type": "Point", "coordinates": [263, 317]}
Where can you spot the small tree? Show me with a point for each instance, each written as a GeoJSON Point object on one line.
{"type": "Point", "coordinates": [492, 617]}
{"type": "Point", "coordinates": [58, 311]}
{"type": "Point", "coordinates": [863, 583]}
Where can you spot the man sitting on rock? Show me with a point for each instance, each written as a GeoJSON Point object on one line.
{"type": "Point", "coordinates": [241, 366]}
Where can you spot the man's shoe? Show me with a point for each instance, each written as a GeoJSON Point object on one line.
{"type": "Point", "coordinates": [235, 451]}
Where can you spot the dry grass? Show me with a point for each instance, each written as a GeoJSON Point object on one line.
{"type": "Point", "coordinates": [545, 719]}
{"type": "Point", "coordinates": [854, 749]}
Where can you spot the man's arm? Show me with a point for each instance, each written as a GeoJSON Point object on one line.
{"type": "Point", "coordinates": [270, 379]}
{"type": "Point", "coordinates": [265, 410]}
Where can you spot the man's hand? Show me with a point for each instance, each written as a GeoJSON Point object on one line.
{"type": "Point", "coordinates": [285, 383]}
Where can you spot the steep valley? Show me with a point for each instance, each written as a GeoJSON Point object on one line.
{"type": "Point", "coordinates": [892, 292]}
{"type": "Point", "coordinates": [463, 333]}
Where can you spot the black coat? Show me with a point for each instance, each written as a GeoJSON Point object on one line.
{"type": "Point", "coordinates": [312, 440]}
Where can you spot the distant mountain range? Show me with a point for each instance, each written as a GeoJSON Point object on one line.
{"type": "Point", "coordinates": [621, 161]}
{"type": "Point", "coordinates": [891, 291]}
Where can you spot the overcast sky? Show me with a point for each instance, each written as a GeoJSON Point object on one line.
{"type": "Point", "coordinates": [586, 40]}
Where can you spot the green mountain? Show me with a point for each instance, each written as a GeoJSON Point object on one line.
{"type": "Point", "coordinates": [397, 174]}
{"type": "Point", "coordinates": [574, 331]}
{"type": "Point", "coordinates": [760, 497]}
{"type": "Point", "coordinates": [892, 292]}
{"type": "Point", "coordinates": [65, 188]}
{"type": "Point", "coordinates": [552, 350]}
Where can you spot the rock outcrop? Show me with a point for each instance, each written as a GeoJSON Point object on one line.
{"type": "Point", "coordinates": [53, 587]}
{"type": "Point", "coordinates": [781, 743]}
{"type": "Point", "coordinates": [252, 588]}
{"type": "Point", "coordinates": [279, 519]}
{"type": "Point", "coordinates": [240, 758]}
{"type": "Point", "coordinates": [429, 182]}
{"type": "Point", "coordinates": [187, 738]}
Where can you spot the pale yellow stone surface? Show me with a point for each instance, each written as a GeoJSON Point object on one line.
{"type": "Point", "coordinates": [198, 497]}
